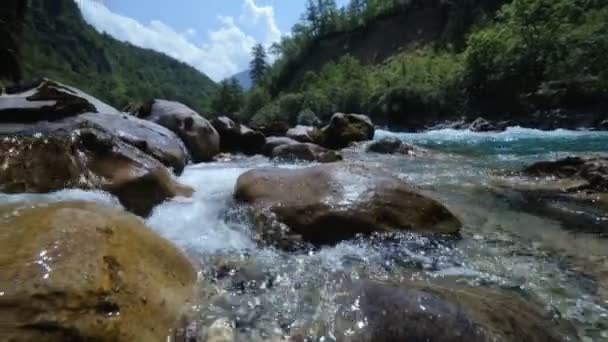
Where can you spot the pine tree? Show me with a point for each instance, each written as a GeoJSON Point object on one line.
{"type": "Point", "coordinates": [258, 66]}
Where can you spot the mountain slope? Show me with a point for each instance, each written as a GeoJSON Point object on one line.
{"type": "Point", "coordinates": [244, 79]}
{"type": "Point", "coordinates": [62, 46]}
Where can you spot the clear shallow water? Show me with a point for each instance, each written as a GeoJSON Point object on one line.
{"type": "Point", "coordinates": [295, 294]}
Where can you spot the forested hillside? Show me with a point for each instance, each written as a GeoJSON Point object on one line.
{"type": "Point", "coordinates": [410, 64]}
{"type": "Point", "coordinates": [60, 45]}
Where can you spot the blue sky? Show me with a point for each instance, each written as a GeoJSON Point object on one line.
{"type": "Point", "coordinates": [214, 36]}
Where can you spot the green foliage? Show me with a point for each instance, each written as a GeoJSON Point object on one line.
{"type": "Point", "coordinates": [62, 46]}
{"type": "Point", "coordinates": [290, 106]}
{"type": "Point", "coordinates": [228, 98]}
{"type": "Point", "coordinates": [308, 118]}
{"type": "Point", "coordinates": [256, 99]}
{"type": "Point", "coordinates": [540, 54]}
{"type": "Point", "coordinates": [266, 115]}
{"type": "Point", "coordinates": [12, 18]}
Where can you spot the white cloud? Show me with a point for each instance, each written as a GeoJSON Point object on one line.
{"type": "Point", "coordinates": [226, 51]}
{"type": "Point", "coordinates": [254, 13]}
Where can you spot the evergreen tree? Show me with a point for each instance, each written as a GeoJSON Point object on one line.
{"type": "Point", "coordinates": [258, 66]}
{"type": "Point", "coordinates": [228, 99]}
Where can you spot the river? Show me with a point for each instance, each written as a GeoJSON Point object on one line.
{"type": "Point", "coordinates": [505, 242]}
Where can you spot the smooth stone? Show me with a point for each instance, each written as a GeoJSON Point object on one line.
{"type": "Point", "coordinates": [75, 271]}
{"type": "Point", "coordinates": [305, 152]}
{"type": "Point", "coordinates": [303, 134]}
{"type": "Point", "coordinates": [197, 133]}
{"type": "Point", "coordinates": [235, 137]}
{"type": "Point", "coordinates": [332, 202]}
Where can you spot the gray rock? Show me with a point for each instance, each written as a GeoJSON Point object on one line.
{"type": "Point", "coordinates": [47, 100]}
{"type": "Point", "coordinates": [197, 133]}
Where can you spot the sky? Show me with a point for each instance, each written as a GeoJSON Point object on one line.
{"type": "Point", "coordinates": [214, 36]}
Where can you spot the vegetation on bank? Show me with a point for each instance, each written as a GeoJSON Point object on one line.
{"type": "Point", "coordinates": [60, 45]}
{"type": "Point", "coordinates": [533, 56]}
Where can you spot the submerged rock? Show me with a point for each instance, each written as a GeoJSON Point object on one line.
{"type": "Point", "coordinates": [273, 142]}
{"type": "Point", "coordinates": [303, 134]}
{"type": "Point", "coordinates": [375, 311]}
{"type": "Point", "coordinates": [305, 152]}
{"type": "Point", "coordinates": [592, 171]}
{"type": "Point", "coordinates": [332, 202]}
{"type": "Point", "coordinates": [388, 146]}
{"type": "Point", "coordinates": [87, 158]}
{"type": "Point", "coordinates": [235, 137]}
{"type": "Point", "coordinates": [82, 272]}
{"type": "Point", "coordinates": [47, 100]}
{"type": "Point", "coordinates": [344, 129]}
{"type": "Point", "coordinates": [197, 133]}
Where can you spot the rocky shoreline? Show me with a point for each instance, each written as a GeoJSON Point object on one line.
{"type": "Point", "coordinates": [80, 271]}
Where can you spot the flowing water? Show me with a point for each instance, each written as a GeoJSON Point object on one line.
{"type": "Point", "coordinates": [268, 294]}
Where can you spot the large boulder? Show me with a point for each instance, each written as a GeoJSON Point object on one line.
{"type": "Point", "coordinates": [305, 152]}
{"type": "Point", "coordinates": [235, 137]}
{"type": "Point", "coordinates": [303, 134]}
{"type": "Point", "coordinates": [153, 139]}
{"type": "Point", "coordinates": [274, 142]}
{"type": "Point", "coordinates": [332, 202]}
{"type": "Point", "coordinates": [388, 146]}
{"type": "Point", "coordinates": [197, 133]}
{"type": "Point", "coordinates": [416, 312]}
{"type": "Point", "coordinates": [86, 158]}
{"type": "Point", "coordinates": [47, 100]}
{"type": "Point", "coordinates": [82, 272]}
{"type": "Point", "coordinates": [344, 129]}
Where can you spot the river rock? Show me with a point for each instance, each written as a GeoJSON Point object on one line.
{"type": "Point", "coordinates": [235, 137]}
{"type": "Point", "coordinates": [482, 125]}
{"type": "Point", "coordinates": [82, 272]}
{"type": "Point", "coordinates": [390, 312]}
{"type": "Point", "coordinates": [303, 134]}
{"type": "Point", "coordinates": [47, 100]}
{"type": "Point", "coordinates": [593, 172]}
{"type": "Point", "coordinates": [87, 158]}
{"type": "Point", "coordinates": [305, 152]}
{"type": "Point", "coordinates": [153, 139]}
{"type": "Point", "coordinates": [197, 133]}
{"type": "Point", "coordinates": [332, 202]}
{"type": "Point", "coordinates": [389, 146]}
{"type": "Point", "coordinates": [273, 142]}
{"type": "Point", "coordinates": [344, 129]}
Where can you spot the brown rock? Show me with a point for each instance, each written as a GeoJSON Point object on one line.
{"type": "Point", "coordinates": [235, 137]}
{"type": "Point", "coordinates": [424, 312]}
{"type": "Point", "coordinates": [333, 202]}
{"type": "Point", "coordinates": [273, 142]}
{"type": "Point", "coordinates": [82, 272]}
{"type": "Point", "coordinates": [88, 159]}
{"type": "Point", "coordinates": [593, 171]}
{"type": "Point", "coordinates": [344, 129]}
{"type": "Point", "coordinates": [305, 152]}
{"type": "Point", "coordinates": [199, 136]}
{"type": "Point", "coordinates": [388, 146]}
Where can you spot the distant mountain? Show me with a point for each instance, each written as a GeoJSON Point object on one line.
{"type": "Point", "coordinates": [60, 45]}
{"type": "Point", "coordinates": [244, 79]}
